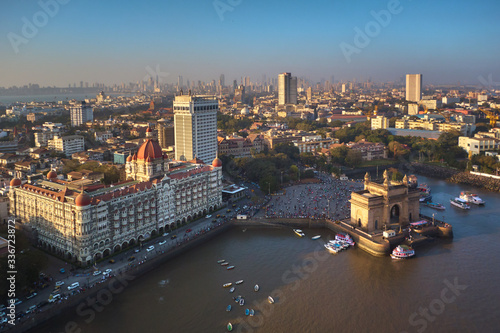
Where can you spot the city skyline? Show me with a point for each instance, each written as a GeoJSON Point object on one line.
{"type": "Point", "coordinates": [383, 40]}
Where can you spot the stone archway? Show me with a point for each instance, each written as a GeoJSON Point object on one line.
{"type": "Point", "coordinates": [106, 252]}
{"type": "Point", "coordinates": [117, 249]}
{"type": "Point", "coordinates": [395, 214]}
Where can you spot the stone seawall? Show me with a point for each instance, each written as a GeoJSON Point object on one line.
{"type": "Point", "coordinates": [428, 170]}
{"type": "Point", "coordinates": [466, 178]}
{"type": "Point", "coordinates": [104, 290]}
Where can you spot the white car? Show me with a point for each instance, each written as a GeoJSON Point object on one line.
{"type": "Point", "coordinates": [165, 234]}
{"type": "Point", "coordinates": [151, 248]}
{"type": "Point", "coordinates": [208, 216]}
{"type": "Point", "coordinates": [74, 286]}
{"type": "Point", "coordinates": [107, 271]}
{"type": "Point", "coordinates": [59, 283]}
{"type": "Point", "coordinates": [97, 273]}
{"type": "Point", "coordinates": [163, 242]}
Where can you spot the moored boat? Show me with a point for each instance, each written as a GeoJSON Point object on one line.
{"type": "Point", "coordinates": [231, 290]}
{"type": "Point", "coordinates": [434, 205]}
{"type": "Point", "coordinates": [247, 312]}
{"type": "Point", "coordinates": [425, 198]}
{"type": "Point", "coordinates": [460, 203]}
{"type": "Point", "coordinates": [229, 327]}
{"type": "Point", "coordinates": [220, 261]}
{"type": "Point", "coordinates": [471, 198]}
{"type": "Point", "coordinates": [228, 308]}
{"type": "Point", "coordinates": [402, 252]}
{"type": "Point", "coordinates": [229, 284]}
{"type": "Point", "coordinates": [242, 301]}
{"type": "Point", "coordinates": [345, 238]}
{"type": "Point", "coordinates": [229, 267]}
{"type": "Point", "coordinates": [256, 288]}
{"type": "Point", "coordinates": [299, 232]}
{"type": "Point", "coordinates": [316, 237]}
{"type": "Point", "coordinates": [224, 263]}
{"type": "Point", "coordinates": [270, 299]}
{"type": "Point", "coordinates": [239, 282]}
{"type": "Point", "coordinates": [252, 312]}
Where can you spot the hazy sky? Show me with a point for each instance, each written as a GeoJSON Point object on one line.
{"type": "Point", "coordinates": [116, 41]}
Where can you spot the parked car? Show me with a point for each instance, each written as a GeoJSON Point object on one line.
{"type": "Point", "coordinates": [163, 242]}
{"type": "Point", "coordinates": [112, 261]}
{"type": "Point", "coordinates": [208, 216]}
{"type": "Point", "coordinates": [151, 248]}
{"type": "Point", "coordinates": [109, 270]}
{"type": "Point", "coordinates": [59, 283]}
{"type": "Point", "coordinates": [131, 258]}
{"type": "Point", "coordinates": [189, 230]}
{"type": "Point", "coordinates": [31, 309]}
{"type": "Point", "coordinates": [74, 286]}
{"type": "Point", "coordinates": [165, 234]}
{"type": "Point", "coordinates": [173, 237]}
{"type": "Point", "coordinates": [96, 273]}
{"type": "Point", "coordinates": [137, 250]}
{"type": "Point", "coordinates": [31, 296]}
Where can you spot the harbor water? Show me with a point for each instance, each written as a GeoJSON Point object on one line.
{"type": "Point", "coordinates": [450, 285]}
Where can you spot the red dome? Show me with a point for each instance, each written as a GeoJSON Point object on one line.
{"type": "Point", "coordinates": [82, 199]}
{"type": "Point", "coordinates": [15, 182]}
{"type": "Point", "coordinates": [217, 163]}
{"type": "Point", "coordinates": [148, 159]}
{"type": "Point", "coordinates": [129, 158]}
{"type": "Point", "coordinates": [52, 174]}
{"type": "Point", "coordinates": [150, 148]}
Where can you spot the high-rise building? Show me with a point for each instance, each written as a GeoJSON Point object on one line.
{"type": "Point", "coordinates": [222, 81]}
{"type": "Point", "coordinates": [309, 94]}
{"type": "Point", "coordinates": [287, 89]}
{"type": "Point", "coordinates": [81, 113]}
{"type": "Point", "coordinates": [180, 82]}
{"type": "Point", "coordinates": [166, 134]}
{"type": "Point", "coordinates": [239, 94]}
{"type": "Point", "coordinates": [195, 122]}
{"type": "Point", "coordinates": [413, 87]}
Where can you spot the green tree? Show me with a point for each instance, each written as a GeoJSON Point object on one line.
{"type": "Point", "coordinates": [353, 158]}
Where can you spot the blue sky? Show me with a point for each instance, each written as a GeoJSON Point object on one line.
{"type": "Point", "coordinates": [116, 41]}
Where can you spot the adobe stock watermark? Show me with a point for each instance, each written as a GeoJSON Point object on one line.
{"type": "Point", "coordinates": [155, 73]}
{"type": "Point", "coordinates": [29, 29]}
{"type": "Point", "coordinates": [292, 278]}
{"type": "Point", "coordinates": [420, 319]}
{"type": "Point", "coordinates": [488, 83]}
{"type": "Point", "coordinates": [222, 6]}
{"type": "Point", "coordinates": [372, 29]}
{"type": "Point", "coordinates": [88, 307]}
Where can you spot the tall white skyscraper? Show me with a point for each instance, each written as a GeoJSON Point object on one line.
{"type": "Point", "coordinates": [81, 113]}
{"type": "Point", "coordinates": [195, 127]}
{"type": "Point", "coordinates": [287, 89]}
{"type": "Point", "coordinates": [413, 87]}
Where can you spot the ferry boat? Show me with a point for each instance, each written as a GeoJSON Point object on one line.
{"type": "Point", "coordinates": [345, 238]}
{"type": "Point", "coordinates": [332, 248]}
{"type": "Point", "coordinates": [270, 299]}
{"type": "Point", "coordinates": [402, 252]}
{"type": "Point", "coordinates": [299, 232]}
{"type": "Point", "coordinates": [471, 198]}
{"type": "Point", "coordinates": [434, 205]}
{"type": "Point", "coordinates": [460, 203]}
{"type": "Point", "coordinates": [424, 189]}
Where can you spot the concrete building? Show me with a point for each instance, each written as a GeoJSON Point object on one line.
{"type": "Point", "coordinates": [379, 122]}
{"type": "Point", "coordinates": [413, 87]}
{"type": "Point", "coordinates": [431, 104]}
{"type": "Point", "coordinates": [195, 121]}
{"type": "Point", "coordinates": [287, 89]}
{"type": "Point", "coordinates": [477, 145]}
{"type": "Point", "coordinates": [369, 150]}
{"type": "Point", "coordinates": [166, 137]}
{"type": "Point", "coordinates": [379, 206]}
{"type": "Point", "coordinates": [412, 109]}
{"type": "Point", "coordinates": [81, 113]}
{"type": "Point", "coordinates": [237, 147]}
{"type": "Point", "coordinates": [311, 145]}
{"type": "Point", "coordinates": [86, 223]}
{"type": "Point", "coordinates": [67, 144]}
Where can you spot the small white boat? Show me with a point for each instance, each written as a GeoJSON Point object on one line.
{"type": "Point", "coordinates": [316, 237]}
{"type": "Point", "coordinates": [434, 205]}
{"type": "Point", "coordinates": [471, 198]}
{"type": "Point", "coordinates": [229, 267]}
{"type": "Point", "coordinates": [220, 261]}
{"type": "Point", "coordinates": [224, 263]}
{"type": "Point", "coordinates": [460, 203]}
{"type": "Point", "coordinates": [332, 248]}
{"type": "Point", "coordinates": [252, 312]}
{"type": "Point", "coordinates": [299, 232]}
{"type": "Point", "coordinates": [242, 301]}
{"type": "Point", "coordinates": [402, 252]}
{"type": "Point", "coordinates": [256, 288]}
{"type": "Point", "coordinates": [228, 308]}
{"type": "Point", "coordinates": [231, 290]}
{"type": "Point", "coordinates": [225, 285]}
{"type": "Point", "coordinates": [239, 282]}
{"type": "Point", "coordinates": [270, 299]}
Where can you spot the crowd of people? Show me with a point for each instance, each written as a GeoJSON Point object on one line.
{"type": "Point", "coordinates": [327, 199]}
